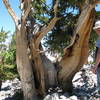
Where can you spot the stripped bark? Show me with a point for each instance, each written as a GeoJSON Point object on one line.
{"type": "Point", "coordinates": [40, 67]}
{"type": "Point", "coordinates": [23, 62]}
{"type": "Point", "coordinates": [11, 12]}
{"type": "Point", "coordinates": [77, 53]}
{"type": "Point", "coordinates": [24, 65]}
{"type": "Point", "coordinates": [50, 26]}
{"type": "Point", "coordinates": [41, 73]}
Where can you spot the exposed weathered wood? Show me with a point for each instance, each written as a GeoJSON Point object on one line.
{"type": "Point", "coordinates": [38, 71]}
{"type": "Point", "coordinates": [45, 30]}
{"type": "Point", "coordinates": [23, 62]}
{"type": "Point", "coordinates": [45, 74]}
{"type": "Point", "coordinates": [11, 12]}
{"type": "Point", "coordinates": [24, 66]}
{"type": "Point", "coordinates": [44, 70]}
{"type": "Point", "coordinates": [76, 54]}
{"type": "Point", "coordinates": [27, 12]}
{"type": "Point", "coordinates": [50, 72]}
{"type": "Point", "coordinates": [39, 66]}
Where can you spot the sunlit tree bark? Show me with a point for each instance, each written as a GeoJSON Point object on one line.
{"type": "Point", "coordinates": [37, 73]}
{"type": "Point", "coordinates": [76, 54]}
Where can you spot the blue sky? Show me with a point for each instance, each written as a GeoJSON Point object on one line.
{"type": "Point", "coordinates": [6, 21]}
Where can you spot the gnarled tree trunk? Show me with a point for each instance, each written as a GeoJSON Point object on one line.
{"type": "Point", "coordinates": [23, 61]}
{"type": "Point", "coordinates": [38, 73]}
{"type": "Point", "coordinates": [77, 53]}
{"type": "Point", "coordinates": [24, 65]}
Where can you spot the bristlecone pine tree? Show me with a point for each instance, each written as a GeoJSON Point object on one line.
{"type": "Point", "coordinates": [37, 73]}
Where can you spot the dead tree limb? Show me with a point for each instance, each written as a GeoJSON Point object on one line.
{"type": "Point", "coordinates": [11, 12]}
{"type": "Point", "coordinates": [49, 27]}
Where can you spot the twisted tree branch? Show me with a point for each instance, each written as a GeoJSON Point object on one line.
{"type": "Point", "coordinates": [11, 12]}
{"type": "Point", "coordinates": [45, 30]}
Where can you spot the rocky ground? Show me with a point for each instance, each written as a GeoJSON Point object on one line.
{"type": "Point", "coordinates": [9, 89]}
{"type": "Point", "coordinates": [84, 82]}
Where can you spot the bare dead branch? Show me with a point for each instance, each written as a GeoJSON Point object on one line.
{"type": "Point", "coordinates": [27, 12]}
{"type": "Point", "coordinates": [81, 24]}
{"type": "Point", "coordinates": [45, 30]}
{"type": "Point", "coordinates": [26, 8]}
{"type": "Point", "coordinates": [11, 12]}
{"type": "Point", "coordinates": [42, 51]}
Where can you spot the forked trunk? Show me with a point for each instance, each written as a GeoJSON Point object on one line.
{"type": "Point", "coordinates": [43, 74]}
{"type": "Point", "coordinates": [44, 70]}
{"type": "Point", "coordinates": [77, 53]}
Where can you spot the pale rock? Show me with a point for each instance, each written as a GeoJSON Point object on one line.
{"type": "Point", "coordinates": [73, 98]}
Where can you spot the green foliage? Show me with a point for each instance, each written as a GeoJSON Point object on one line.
{"type": "Point", "coordinates": [59, 37]}
{"type": "Point", "coordinates": [40, 10]}
{"type": "Point", "coordinates": [3, 37]}
{"type": "Point", "coordinates": [7, 72]}
{"type": "Point", "coordinates": [97, 15]}
{"type": "Point", "coordinates": [8, 69]}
